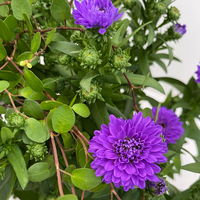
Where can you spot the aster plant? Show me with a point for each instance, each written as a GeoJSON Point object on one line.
{"type": "Point", "coordinates": [73, 81]}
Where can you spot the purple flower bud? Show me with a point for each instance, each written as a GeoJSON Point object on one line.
{"type": "Point", "coordinates": [181, 29]}
{"type": "Point", "coordinates": [96, 14]}
{"type": "Point", "coordinates": [159, 187]}
{"type": "Point", "coordinates": [198, 74]}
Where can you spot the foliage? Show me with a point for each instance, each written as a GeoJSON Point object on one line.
{"type": "Point", "coordinates": [60, 81]}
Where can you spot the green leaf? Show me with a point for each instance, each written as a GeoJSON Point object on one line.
{"type": "Point", "coordinates": [49, 105]}
{"type": "Point", "coordinates": [151, 35]}
{"type": "Point", "coordinates": [35, 43]}
{"type": "Point", "coordinates": [86, 81]}
{"type": "Point", "coordinates": [63, 119]}
{"type": "Point", "coordinates": [28, 93]}
{"type": "Point", "coordinates": [60, 10]}
{"type": "Point", "coordinates": [50, 36]}
{"type": "Point", "coordinates": [138, 79]}
{"type": "Point", "coordinates": [3, 52]}
{"type": "Point", "coordinates": [174, 82]}
{"type": "Point", "coordinates": [17, 161]}
{"type": "Point", "coordinates": [6, 134]}
{"type": "Point", "coordinates": [192, 167]}
{"type": "Point", "coordinates": [4, 10]}
{"type": "Point", "coordinates": [33, 109]}
{"type": "Point", "coordinates": [25, 56]}
{"type": "Point", "coordinates": [85, 179]}
{"type": "Point", "coordinates": [36, 131]}
{"type": "Point", "coordinates": [99, 113]}
{"type": "Point", "coordinates": [5, 32]}
{"type": "Point", "coordinates": [81, 109]}
{"type": "Point", "coordinates": [68, 48]}
{"type": "Point", "coordinates": [39, 172]}
{"type": "Point", "coordinates": [118, 36]}
{"type": "Point", "coordinates": [7, 184]}
{"type": "Point", "coordinates": [68, 197]}
{"type": "Point", "coordinates": [8, 75]}
{"type": "Point", "coordinates": [33, 81]}
{"type": "Point", "coordinates": [21, 7]}
{"type": "Point", "coordinates": [3, 85]}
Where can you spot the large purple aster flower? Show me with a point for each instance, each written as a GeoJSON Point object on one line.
{"type": "Point", "coordinates": [96, 14]}
{"type": "Point", "coordinates": [126, 152]}
{"type": "Point", "coordinates": [198, 74]}
{"type": "Point", "coordinates": [181, 29]}
{"type": "Point", "coordinates": [172, 126]}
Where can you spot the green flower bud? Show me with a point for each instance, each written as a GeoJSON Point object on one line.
{"type": "Point", "coordinates": [160, 8]}
{"type": "Point", "coordinates": [173, 13]}
{"type": "Point", "coordinates": [90, 57]}
{"type": "Point", "coordinates": [140, 39]}
{"type": "Point", "coordinates": [120, 60]}
{"type": "Point", "coordinates": [76, 36]}
{"type": "Point", "coordinates": [64, 59]}
{"type": "Point", "coordinates": [92, 95]}
{"type": "Point", "coordinates": [37, 151]}
{"type": "Point", "coordinates": [129, 3]}
{"type": "Point", "coordinates": [15, 120]}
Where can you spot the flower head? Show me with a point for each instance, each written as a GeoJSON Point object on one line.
{"type": "Point", "coordinates": [96, 14]}
{"type": "Point", "coordinates": [172, 127]}
{"type": "Point", "coordinates": [181, 29]}
{"type": "Point", "coordinates": [198, 74]}
{"type": "Point", "coordinates": [159, 187]}
{"type": "Point", "coordinates": [126, 152]}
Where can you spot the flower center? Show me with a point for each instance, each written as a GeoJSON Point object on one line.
{"type": "Point", "coordinates": [129, 150]}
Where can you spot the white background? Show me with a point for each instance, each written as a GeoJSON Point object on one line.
{"type": "Point", "coordinates": [188, 49]}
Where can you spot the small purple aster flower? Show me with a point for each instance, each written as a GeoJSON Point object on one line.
{"type": "Point", "coordinates": [159, 187]}
{"type": "Point", "coordinates": [198, 74]}
{"type": "Point", "coordinates": [172, 126]}
{"type": "Point", "coordinates": [181, 29]}
{"type": "Point", "coordinates": [127, 152]}
{"type": "Point", "coordinates": [96, 14]}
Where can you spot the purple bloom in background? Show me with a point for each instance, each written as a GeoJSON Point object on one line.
{"type": "Point", "coordinates": [159, 187]}
{"type": "Point", "coordinates": [126, 152]}
{"type": "Point", "coordinates": [181, 29]}
{"type": "Point", "coordinates": [172, 126]}
{"type": "Point", "coordinates": [96, 14]}
{"type": "Point", "coordinates": [198, 74]}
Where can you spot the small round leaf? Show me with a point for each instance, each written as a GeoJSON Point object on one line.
{"type": "Point", "coordinates": [81, 109]}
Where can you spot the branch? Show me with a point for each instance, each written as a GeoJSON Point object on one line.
{"type": "Point", "coordinates": [132, 87]}
{"type": "Point", "coordinates": [57, 28]}
{"type": "Point", "coordinates": [4, 65]}
{"type": "Point", "coordinates": [114, 192]}
{"type": "Point", "coordinates": [11, 100]}
{"type": "Point", "coordinates": [82, 195]}
{"type": "Point", "coordinates": [55, 154]}
{"type": "Point", "coordinates": [5, 3]}
{"type": "Point", "coordinates": [62, 151]}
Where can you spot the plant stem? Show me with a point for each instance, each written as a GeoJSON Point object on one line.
{"type": "Point", "coordinates": [55, 154]}
{"type": "Point", "coordinates": [5, 3]}
{"type": "Point", "coordinates": [62, 151]}
{"type": "Point", "coordinates": [114, 192]}
{"type": "Point", "coordinates": [82, 195]}
{"type": "Point", "coordinates": [11, 100]}
{"type": "Point", "coordinates": [132, 87]}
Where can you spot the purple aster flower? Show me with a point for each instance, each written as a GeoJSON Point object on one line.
{"type": "Point", "coordinates": [127, 152]}
{"type": "Point", "coordinates": [181, 29]}
{"type": "Point", "coordinates": [159, 187]}
{"type": "Point", "coordinates": [96, 14]}
{"type": "Point", "coordinates": [198, 74]}
{"type": "Point", "coordinates": [172, 126]}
